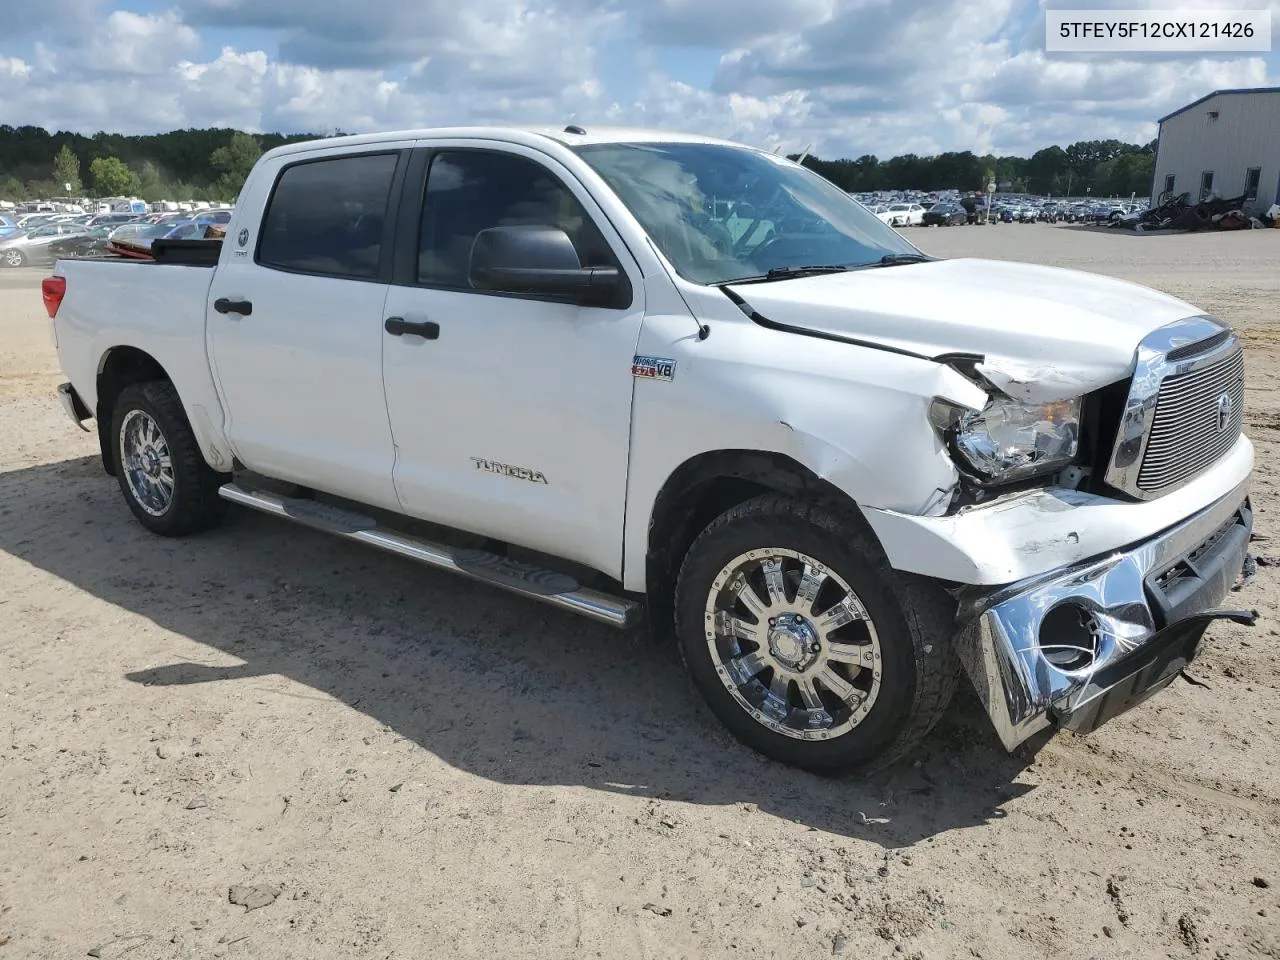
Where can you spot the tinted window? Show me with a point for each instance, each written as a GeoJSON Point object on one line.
{"type": "Point", "coordinates": [326, 216]}
{"type": "Point", "coordinates": [470, 191]}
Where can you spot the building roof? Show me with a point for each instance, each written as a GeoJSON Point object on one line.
{"type": "Point", "coordinates": [1218, 93]}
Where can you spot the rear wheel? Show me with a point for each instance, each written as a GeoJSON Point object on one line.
{"type": "Point", "coordinates": [806, 644]}
{"type": "Point", "coordinates": [162, 474]}
{"type": "Point", "coordinates": [14, 258]}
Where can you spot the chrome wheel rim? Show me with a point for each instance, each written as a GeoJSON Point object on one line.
{"type": "Point", "coordinates": [793, 644]}
{"type": "Point", "coordinates": [13, 258]}
{"type": "Point", "coordinates": [147, 465]}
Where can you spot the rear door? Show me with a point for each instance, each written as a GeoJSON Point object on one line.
{"type": "Point", "coordinates": [295, 321]}
{"type": "Point", "coordinates": [514, 421]}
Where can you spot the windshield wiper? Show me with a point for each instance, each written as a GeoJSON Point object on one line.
{"type": "Point", "coordinates": [893, 259]}
{"type": "Point", "coordinates": [788, 273]}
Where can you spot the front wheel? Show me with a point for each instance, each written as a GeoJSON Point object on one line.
{"type": "Point", "coordinates": [806, 644]}
{"type": "Point", "coordinates": [14, 257]}
{"type": "Point", "coordinates": [162, 473]}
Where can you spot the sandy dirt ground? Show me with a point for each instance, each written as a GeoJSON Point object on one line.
{"type": "Point", "coordinates": [416, 766]}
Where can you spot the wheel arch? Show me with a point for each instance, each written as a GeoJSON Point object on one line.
{"type": "Point", "coordinates": [705, 486]}
{"type": "Point", "coordinates": [118, 368]}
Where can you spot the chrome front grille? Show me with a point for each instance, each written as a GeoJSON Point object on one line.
{"type": "Point", "coordinates": [1184, 411]}
{"type": "Point", "coordinates": [1198, 418]}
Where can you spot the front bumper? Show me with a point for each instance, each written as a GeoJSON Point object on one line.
{"type": "Point", "coordinates": [1076, 647]}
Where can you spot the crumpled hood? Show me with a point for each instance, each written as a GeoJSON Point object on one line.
{"type": "Point", "coordinates": [1046, 333]}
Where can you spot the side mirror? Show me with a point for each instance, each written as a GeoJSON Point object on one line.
{"type": "Point", "coordinates": [538, 261]}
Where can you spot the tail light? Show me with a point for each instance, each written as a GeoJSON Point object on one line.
{"type": "Point", "coordinates": [53, 289]}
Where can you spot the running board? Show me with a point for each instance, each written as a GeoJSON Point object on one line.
{"type": "Point", "coordinates": [557, 589]}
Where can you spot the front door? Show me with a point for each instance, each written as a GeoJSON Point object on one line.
{"type": "Point", "coordinates": [295, 325]}
{"type": "Point", "coordinates": [514, 422]}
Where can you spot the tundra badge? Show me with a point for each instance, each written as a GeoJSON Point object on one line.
{"type": "Point", "coordinates": [506, 470]}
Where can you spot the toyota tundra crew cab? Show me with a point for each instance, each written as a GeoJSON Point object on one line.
{"type": "Point", "coordinates": [624, 370]}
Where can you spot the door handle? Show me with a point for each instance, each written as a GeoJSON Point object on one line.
{"type": "Point", "coordinates": [400, 327]}
{"type": "Point", "coordinates": [242, 307]}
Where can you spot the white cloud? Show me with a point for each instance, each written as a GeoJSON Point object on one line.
{"type": "Point", "coordinates": [847, 76]}
{"type": "Point", "coordinates": [135, 45]}
{"type": "Point", "coordinates": [11, 68]}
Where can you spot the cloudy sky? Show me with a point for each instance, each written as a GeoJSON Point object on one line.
{"type": "Point", "coordinates": [848, 76]}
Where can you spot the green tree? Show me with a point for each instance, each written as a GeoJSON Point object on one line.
{"type": "Point", "coordinates": [151, 185]}
{"type": "Point", "coordinates": [1126, 174]}
{"type": "Point", "coordinates": [233, 161]}
{"type": "Point", "coordinates": [1046, 167]}
{"type": "Point", "coordinates": [66, 170]}
{"type": "Point", "coordinates": [11, 189]}
{"type": "Point", "coordinates": [113, 178]}
{"type": "Point", "coordinates": [44, 189]}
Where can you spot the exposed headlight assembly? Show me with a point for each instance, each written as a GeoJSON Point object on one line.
{"type": "Point", "coordinates": [1008, 440]}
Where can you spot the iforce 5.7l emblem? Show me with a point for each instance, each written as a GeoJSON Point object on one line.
{"type": "Point", "coordinates": [653, 368]}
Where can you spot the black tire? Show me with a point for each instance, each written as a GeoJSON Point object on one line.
{"type": "Point", "coordinates": [914, 621]}
{"type": "Point", "coordinates": [195, 504]}
{"type": "Point", "coordinates": [13, 258]}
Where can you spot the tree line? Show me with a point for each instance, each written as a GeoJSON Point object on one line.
{"type": "Point", "coordinates": [1104, 168]}
{"type": "Point", "coordinates": [212, 165]}
{"type": "Point", "coordinates": [178, 165]}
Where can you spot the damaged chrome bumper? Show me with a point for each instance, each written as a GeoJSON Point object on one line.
{"type": "Point", "coordinates": [1073, 648]}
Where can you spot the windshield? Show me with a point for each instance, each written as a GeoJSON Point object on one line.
{"type": "Point", "coordinates": [721, 213]}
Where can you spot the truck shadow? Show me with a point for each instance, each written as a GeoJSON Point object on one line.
{"type": "Point", "coordinates": [496, 685]}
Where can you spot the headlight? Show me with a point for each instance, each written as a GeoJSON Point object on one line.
{"type": "Point", "coordinates": [1009, 440]}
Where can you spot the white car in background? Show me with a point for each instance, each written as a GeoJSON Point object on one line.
{"type": "Point", "coordinates": [905, 215]}
{"type": "Point", "coordinates": [881, 212]}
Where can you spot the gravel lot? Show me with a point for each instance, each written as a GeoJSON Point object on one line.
{"type": "Point", "coordinates": [425, 767]}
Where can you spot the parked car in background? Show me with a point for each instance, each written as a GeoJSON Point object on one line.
{"type": "Point", "coordinates": [111, 219]}
{"type": "Point", "coordinates": [8, 225]}
{"type": "Point", "coordinates": [126, 231]}
{"type": "Point", "coordinates": [905, 215]}
{"type": "Point", "coordinates": [945, 215]}
{"type": "Point", "coordinates": [94, 242]}
{"type": "Point", "coordinates": [881, 212]}
{"type": "Point", "coordinates": [31, 247]}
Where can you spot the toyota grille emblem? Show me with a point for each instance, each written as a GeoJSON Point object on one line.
{"type": "Point", "coordinates": [1224, 411]}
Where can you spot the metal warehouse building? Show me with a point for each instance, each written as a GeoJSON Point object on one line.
{"type": "Point", "coordinates": [1227, 143]}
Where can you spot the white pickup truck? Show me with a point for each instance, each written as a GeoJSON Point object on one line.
{"type": "Point", "coordinates": [631, 370]}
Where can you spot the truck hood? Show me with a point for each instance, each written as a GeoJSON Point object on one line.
{"type": "Point", "coordinates": [1045, 333]}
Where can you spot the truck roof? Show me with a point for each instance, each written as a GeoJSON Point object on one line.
{"type": "Point", "coordinates": [570, 135]}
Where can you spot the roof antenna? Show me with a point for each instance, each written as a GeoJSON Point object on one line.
{"type": "Point", "coordinates": [804, 156]}
{"type": "Point", "coordinates": [574, 128]}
